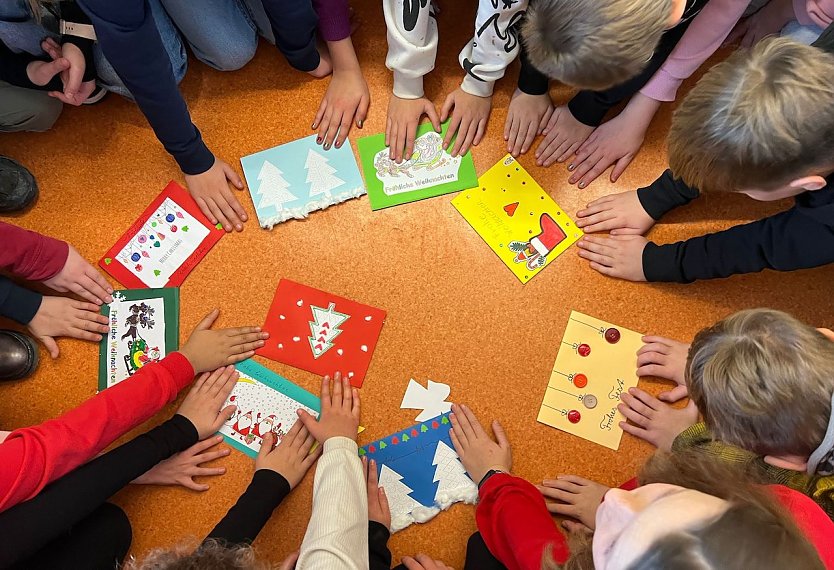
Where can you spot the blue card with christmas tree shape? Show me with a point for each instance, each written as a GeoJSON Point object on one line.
{"type": "Point", "coordinates": [420, 472]}
{"type": "Point", "coordinates": [293, 179]}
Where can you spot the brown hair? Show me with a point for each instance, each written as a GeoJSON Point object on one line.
{"type": "Point", "coordinates": [754, 532]}
{"type": "Point", "coordinates": [758, 120]}
{"type": "Point", "coordinates": [593, 44]}
{"type": "Point", "coordinates": [763, 382]}
{"type": "Point", "coordinates": [209, 555]}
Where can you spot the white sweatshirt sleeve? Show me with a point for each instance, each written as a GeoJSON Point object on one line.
{"type": "Point", "coordinates": [412, 44]}
{"type": "Point", "coordinates": [494, 46]}
{"type": "Point", "coordinates": [337, 535]}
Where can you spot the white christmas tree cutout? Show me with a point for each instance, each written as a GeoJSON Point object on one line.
{"type": "Point", "coordinates": [453, 482]}
{"type": "Point", "coordinates": [320, 175]}
{"type": "Point", "coordinates": [274, 188]}
{"type": "Point", "coordinates": [325, 328]}
{"type": "Point", "coordinates": [399, 497]}
{"type": "Point", "coordinates": [430, 399]}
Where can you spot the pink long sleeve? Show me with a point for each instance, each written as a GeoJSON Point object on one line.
{"type": "Point", "coordinates": [704, 36]}
{"type": "Point", "coordinates": [814, 12]}
{"type": "Point", "coordinates": [29, 254]}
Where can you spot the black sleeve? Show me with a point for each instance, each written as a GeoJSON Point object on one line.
{"type": "Point", "coordinates": [18, 303]}
{"type": "Point", "coordinates": [248, 516]}
{"type": "Point", "coordinates": [72, 12]}
{"type": "Point", "coordinates": [590, 107]}
{"type": "Point", "coordinates": [826, 39]}
{"type": "Point", "coordinates": [784, 242]}
{"type": "Point", "coordinates": [665, 194]}
{"type": "Point", "coordinates": [13, 69]}
{"type": "Point", "coordinates": [378, 554]}
{"type": "Point", "coordinates": [531, 80]}
{"type": "Point", "coordinates": [29, 526]}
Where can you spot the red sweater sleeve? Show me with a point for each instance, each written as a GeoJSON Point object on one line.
{"type": "Point", "coordinates": [811, 520]}
{"type": "Point", "coordinates": [31, 458]}
{"type": "Point", "coordinates": [516, 526]}
{"type": "Point", "coordinates": [30, 255]}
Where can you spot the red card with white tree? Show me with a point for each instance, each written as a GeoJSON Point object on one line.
{"type": "Point", "coordinates": [320, 332]}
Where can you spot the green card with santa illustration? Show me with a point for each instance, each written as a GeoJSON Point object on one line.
{"type": "Point", "coordinates": [144, 327]}
{"type": "Point", "coordinates": [430, 171]}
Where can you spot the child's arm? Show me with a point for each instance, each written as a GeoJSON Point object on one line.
{"type": "Point", "coordinates": [530, 108]}
{"type": "Point", "coordinates": [29, 254]}
{"type": "Point", "coordinates": [412, 44]}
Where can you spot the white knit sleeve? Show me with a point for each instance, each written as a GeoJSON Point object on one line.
{"type": "Point", "coordinates": [412, 44]}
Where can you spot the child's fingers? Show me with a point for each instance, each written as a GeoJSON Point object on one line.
{"type": "Point", "coordinates": [292, 439]}
{"type": "Point", "coordinates": [189, 483]}
{"type": "Point", "coordinates": [557, 494]}
{"type": "Point", "coordinates": [209, 455]}
{"type": "Point", "coordinates": [337, 399]}
{"type": "Point", "coordinates": [344, 128]}
{"type": "Point", "coordinates": [319, 116]}
{"type": "Point", "coordinates": [660, 340]}
{"type": "Point", "coordinates": [383, 501]}
{"type": "Point", "coordinates": [431, 113]}
{"type": "Point", "coordinates": [545, 120]}
{"type": "Point", "coordinates": [373, 477]}
{"type": "Point", "coordinates": [451, 131]}
{"type": "Point", "coordinates": [388, 127]}
{"type": "Point", "coordinates": [646, 398]}
{"type": "Point", "coordinates": [479, 132]}
{"type": "Point", "coordinates": [562, 509]}
{"type": "Point", "coordinates": [224, 416]}
{"type": "Point", "coordinates": [311, 458]}
{"type": "Point", "coordinates": [650, 370]}
{"type": "Point", "coordinates": [362, 110]}
{"type": "Point", "coordinates": [198, 448]}
{"type": "Point", "coordinates": [266, 445]}
{"type": "Point", "coordinates": [528, 139]}
{"type": "Point", "coordinates": [632, 415]}
{"type": "Point", "coordinates": [675, 394]}
{"type": "Point", "coordinates": [411, 134]}
{"type": "Point", "coordinates": [220, 214]}
{"type": "Point", "coordinates": [456, 441]}
{"type": "Point", "coordinates": [636, 431]}
{"type": "Point", "coordinates": [457, 428]}
{"type": "Point", "coordinates": [289, 561]}
{"type": "Point", "coordinates": [347, 394]}
{"type": "Point", "coordinates": [208, 320]}
{"type": "Point", "coordinates": [512, 136]}
{"type": "Point", "coordinates": [309, 421]}
{"type": "Point", "coordinates": [307, 441]}
{"type": "Point", "coordinates": [465, 424]}
{"type": "Point", "coordinates": [508, 124]}
{"type": "Point", "coordinates": [447, 108]}
{"type": "Point", "coordinates": [325, 394]}
{"type": "Point", "coordinates": [217, 380]}
{"type": "Point", "coordinates": [500, 434]}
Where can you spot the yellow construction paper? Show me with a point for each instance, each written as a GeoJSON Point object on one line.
{"type": "Point", "coordinates": [609, 368]}
{"type": "Point", "coordinates": [517, 219]}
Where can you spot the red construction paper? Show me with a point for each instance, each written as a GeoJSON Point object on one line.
{"type": "Point", "coordinates": [342, 338]}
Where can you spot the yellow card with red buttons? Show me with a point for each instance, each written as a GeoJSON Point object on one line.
{"type": "Point", "coordinates": [517, 219]}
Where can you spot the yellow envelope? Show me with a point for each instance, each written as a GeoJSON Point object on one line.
{"type": "Point", "coordinates": [517, 219]}
{"type": "Point", "coordinates": [597, 362]}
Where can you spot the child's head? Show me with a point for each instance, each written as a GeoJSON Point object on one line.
{"type": "Point", "coordinates": [210, 555]}
{"type": "Point", "coordinates": [759, 123]}
{"type": "Point", "coordinates": [595, 44]}
{"type": "Point", "coordinates": [764, 382]}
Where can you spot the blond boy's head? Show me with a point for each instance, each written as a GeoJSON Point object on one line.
{"type": "Point", "coordinates": [760, 123]}
{"type": "Point", "coordinates": [764, 382]}
{"type": "Point", "coordinates": [594, 44]}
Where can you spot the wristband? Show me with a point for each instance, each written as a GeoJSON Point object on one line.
{"type": "Point", "coordinates": [489, 474]}
{"type": "Point", "coordinates": [78, 30]}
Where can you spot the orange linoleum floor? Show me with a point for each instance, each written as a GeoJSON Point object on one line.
{"type": "Point", "coordinates": [455, 313]}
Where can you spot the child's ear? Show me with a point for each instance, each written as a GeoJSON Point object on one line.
{"type": "Point", "coordinates": [792, 462]}
{"type": "Point", "coordinates": [809, 183]}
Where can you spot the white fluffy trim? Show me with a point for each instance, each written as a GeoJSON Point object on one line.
{"type": "Point", "coordinates": [421, 514]}
{"type": "Point", "coordinates": [301, 213]}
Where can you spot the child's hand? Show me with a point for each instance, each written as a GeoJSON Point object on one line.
{"type": "Point", "coordinates": [621, 214]}
{"type": "Point", "coordinates": [208, 350]}
{"type": "Point", "coordinates": [347, 97]}
{"type": "Point", "coordinates": [181, 468]}
{"type": "Point", "coordinates": [60, 316]}
{"type": "Point", "coordinates": [291, 458]}
{"type": "Point", "coordinates": [211, 192]}
{"type": "Point", "coordinates": [654, 421]}
{"type": "Point", "coordinates": [563, 135]}
{"type": "Point", "coordinates": [76, 90]}
{"type": "Point", "coordinates": [403, 120]}
{"type": "Point", "coordinates": [664, 358]}
{"type": "Point", "coordinates": [470, 114]}
{"type": "Point", "coordinates": [41, 72]}
{"type": "Point", "coordinates": [81, 278]}
{"type": "Point", "coordinates": [575, 497]}
{"type": "Point", "coordinates": [423, 562]}
{"type": "Point", "coordinates": [378, 509]}
{"type": "Point", "coordinates": [617, 256]}
{"type": "Point", "coordinates": [339, 411]}
{"type": "Point", "coordinates": [478, 453]}
{"type": "Point", "coordinates": [526, 117]}
{"type": "Point", "coordinates": [202, 405]}
{"type": "Point", "coordinates": [289, 561]}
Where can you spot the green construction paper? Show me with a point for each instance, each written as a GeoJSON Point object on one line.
{"type": "Point", "coordinates": [429, 161]}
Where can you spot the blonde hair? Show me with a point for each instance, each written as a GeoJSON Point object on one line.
{"type": "Point", "coordinates": [758, 120]}
{"type": "Point", "coordinates": [209, 555]}
{"type": "Point", "coordinates": [754, 532]}
{"type": "Point", "coordinates": [763, 382]}
{"type": "Point", "coordinates": [593, 44]}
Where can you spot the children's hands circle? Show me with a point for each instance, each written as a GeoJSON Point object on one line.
{"type": "Point", "coordinates": [181, 468]}
{"type": "Point", "coordinates": [526, 117]}
{"type": "Point", "coordinates": [617, 256]}
{"type": "Point", "coordinates": [339, 411]}
{"type": "Point", "coordinates": [79, 277]}
{"type": "Point", "coordinates": [573, 496]}
{"type": "Point", "coordinates": [291, 456]}
{"type": "Point", "coordinates": [469, 115]}
{"type": "Point", "coordinates": [208, 349]}
{"type": "Point", "coordinates": [664, 358]}
{"type": "Point", "coordinates": [378, 508]}
{"type": "Point", "coordinates": [60, 316]}
{"type": "Point", "coordinates": [563, 135]}
{"type": "Point", "coordinates": [654, 421]}
{"type": "Point", "coordinates": [619, 214]}
{"type": "Point", "coordinates": [401, 127]}
{"type": "Point", "coordinates": [211, 192]}
{"type": "Point", "coordinates": [477, 451]}
{"type": "Point", "coordinates": [203, 405]}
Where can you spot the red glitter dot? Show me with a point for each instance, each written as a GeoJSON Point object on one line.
{"type": "Point", "coordinates": [580, 380]}
{"type": "Point", "coordinates": [583, 350]}
{"type": "Point", "coordinates": [574, 417]}
{"type": "Point", "coordinates": [612, 335]}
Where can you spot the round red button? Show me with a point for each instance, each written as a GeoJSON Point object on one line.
{"type": "Point", "coordinates": [580, 380]}
{"type": "Point", "coordinates": [612, 335]}
{"type": "Point", "coordinates": [583, 350]}
{"type": "Point", "coordinates": [574, 417]}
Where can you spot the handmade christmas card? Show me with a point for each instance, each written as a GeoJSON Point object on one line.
{"type": "Point", "coordinates": [420, 472]}
{"type": "Point", "coordinates": [431, 170]}
{"type": "Point", "coordinates": [144, 327]}
{"type": "Point", "coordinates": [431, 399]}
{"type": "Point", "coordinates": [321, 332]}
{"type": "Point", "coordinates": [265, 402]}
{"type": "Point", "coordinates": [597, 361]}
{"type": "Point", "coordinates": [517, 219]}
{"type": "Point", "coordinates": [167, 241]}
{"type": "Point", "coordinates": [293, 179]}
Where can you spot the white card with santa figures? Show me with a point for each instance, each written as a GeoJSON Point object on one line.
{"type": "Point", "coordinates": [293, 179]}
{"type": "Point", "coordinates": [265, 402]}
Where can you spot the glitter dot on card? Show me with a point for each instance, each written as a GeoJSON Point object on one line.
{"type": "Point", "coordinates": [368, 318]}
{"type": "Point", "coordinates": [296, 338]}
{"type": "Point", "coordinates": [350, 374]}
{"type": "Point", "coordinates": [280, 345]}
{"type": "Point", "coordinates": [340, 352]}
{"type": "Point", "coordinates": [364, 348]}
{"type": "Point", "coordinates": [282, 317]}
{"type": "Point", "coordinates": [299, 302]}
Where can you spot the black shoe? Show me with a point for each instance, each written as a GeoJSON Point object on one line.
{"type": "Point", "coordinates": [18, 355]}
{"type": "Point", "coordinates": [18, 189]}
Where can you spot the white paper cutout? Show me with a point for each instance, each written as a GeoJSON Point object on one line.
{"type": "Point", "coordinates": [400, 502]}
{"type": "Point", "coordinates": [274, 188]}
{"type": "Point", "coordinates": [320, 176]}
{"type": "Point", "coordinates": [324, 328]}
{"type": "Point", "coordinates": [430, 399]}
{"type": "Point", "coordinates": [453, 482]}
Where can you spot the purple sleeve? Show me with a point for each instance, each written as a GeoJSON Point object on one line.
{"type": "Point", "coordinates": [334, 19]}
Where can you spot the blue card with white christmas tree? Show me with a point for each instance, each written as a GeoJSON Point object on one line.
{"type": "Point", "coordinates": [293, 179]}
{"type": "Point", "coordinates": [420, 472]}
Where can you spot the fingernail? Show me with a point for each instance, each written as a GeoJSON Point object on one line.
{"type": "Point", "coordinates": [582, 185]}
{"type": "Point", "coordinates": [244, 217]}
{"type": "Point", "coordinates": [313, 126]}
{"type": "Point", "coordinates": [327, 146]}
{"type": "Point", "coordinates": [571, 166]}
{"type": "Point", "coordinates": [318, 140]}
{"type": "Point", "coordinates": [360, 123]}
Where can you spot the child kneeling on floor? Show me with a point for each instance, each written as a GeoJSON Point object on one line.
{"type": "Point", "coordinates": [764, 383]}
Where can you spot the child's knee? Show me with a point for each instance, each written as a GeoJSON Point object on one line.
{"type": "Point", "coordinates": [231, 54]}
{"type": "Point", "coordinates": [35, 112]}
{"type": "Point", "coordinates": [116, 530]}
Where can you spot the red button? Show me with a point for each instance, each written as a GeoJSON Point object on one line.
{"type": "Point", "coordinates": [580, 380]}
{"type": "Point", "coordinates": [574, 417]}
{"type": "Point", "coordinates": [612, 335]}
{"type": "Point", "coordinates": [583, 350]}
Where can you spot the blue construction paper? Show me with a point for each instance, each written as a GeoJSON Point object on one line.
{"type": "Point", "coordinates": [301, 177]}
